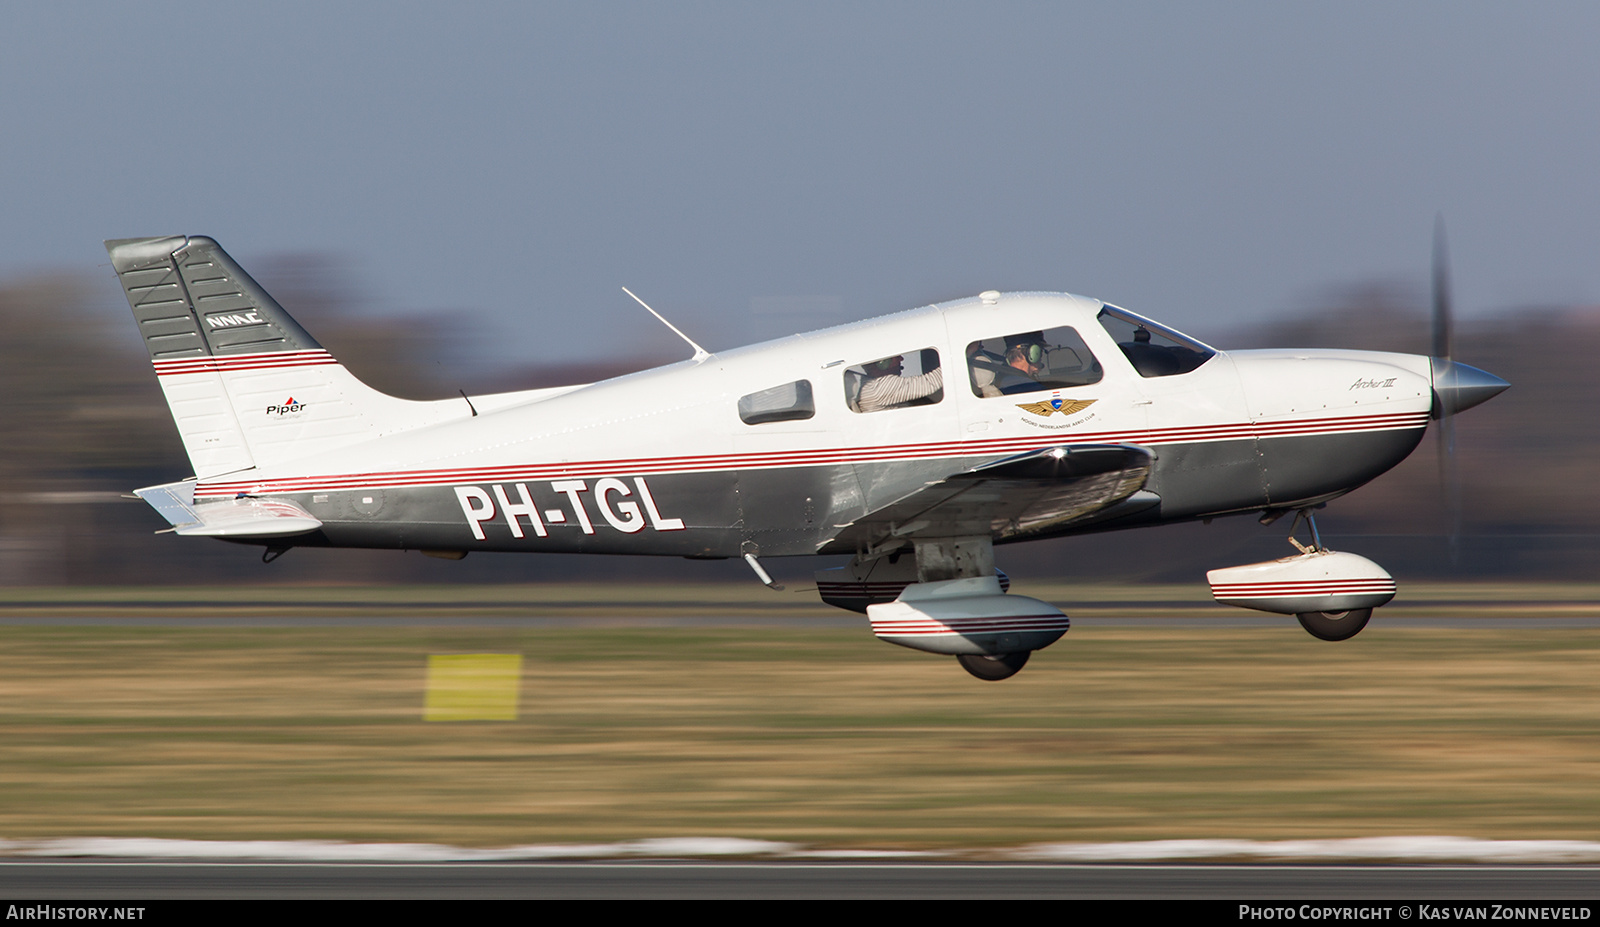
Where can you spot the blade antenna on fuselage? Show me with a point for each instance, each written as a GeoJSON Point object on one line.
{"type": "Point", "coordinates": [700, 353]}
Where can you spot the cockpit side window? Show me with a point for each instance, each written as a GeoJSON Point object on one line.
{"type": "Point", "coordinates": [1026, 362]}
{"type": "Point", "coordinates": [1154, 350]}
{"type": "Point", "coordinates": [898, 381]}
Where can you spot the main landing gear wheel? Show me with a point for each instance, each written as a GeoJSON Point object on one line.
{"type": "Point", "coordinates": [1335, 626]}
{"type": "Point", "coordinates": [1003, 666]}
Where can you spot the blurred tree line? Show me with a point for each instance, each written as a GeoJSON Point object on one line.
{"type": "Point", "coordinates": [85, 422]}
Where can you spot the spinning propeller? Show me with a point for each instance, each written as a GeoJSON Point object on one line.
{"type": "Point", "coordinates": [1455, 386]}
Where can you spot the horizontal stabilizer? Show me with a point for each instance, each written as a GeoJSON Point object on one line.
{"type": "Point", "coordinates": [235, 518]}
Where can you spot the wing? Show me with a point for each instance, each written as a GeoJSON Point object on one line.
{"type": "Point", "coordinates": [1012, 497]}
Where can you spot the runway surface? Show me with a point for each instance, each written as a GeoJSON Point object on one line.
{"type": "Point", "coordinates": [670, 879]}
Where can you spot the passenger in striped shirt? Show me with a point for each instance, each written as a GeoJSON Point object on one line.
{"type": "Point", "coordinates": [885, 388]}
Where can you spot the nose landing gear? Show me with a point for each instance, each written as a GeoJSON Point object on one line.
{"type": "Point", "coordinates": [1331, 593]}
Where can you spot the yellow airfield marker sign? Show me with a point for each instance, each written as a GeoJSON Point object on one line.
{"type": "Point", "coordinates": [473, 687]}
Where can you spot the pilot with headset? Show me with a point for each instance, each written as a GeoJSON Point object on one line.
{"type": "Point", "coordinates": [1024, 363]}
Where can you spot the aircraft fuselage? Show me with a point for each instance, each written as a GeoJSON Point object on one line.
{"type": "Point", "coordinates": [661, 461]}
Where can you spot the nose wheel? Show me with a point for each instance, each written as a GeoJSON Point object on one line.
{"type": "Point", "coordinates": [1001, 666]}
{"type": "Point", "coordinates": [1332, 593]}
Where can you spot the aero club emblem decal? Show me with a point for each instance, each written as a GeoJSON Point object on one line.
{"type": "Point", "coordinates": [1056, 404]}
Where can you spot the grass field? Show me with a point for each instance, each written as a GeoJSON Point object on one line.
{"type": "Point", "coordinates": [822, 737]}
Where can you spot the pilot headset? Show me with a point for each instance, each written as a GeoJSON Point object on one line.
{"type": "Point", "coordinates": [1033, 351]}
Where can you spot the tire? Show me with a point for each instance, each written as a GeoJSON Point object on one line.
{"type": "Point", "coordinates": [1335, 626]}
{"type": "Point", "coordinates": [994, 668]}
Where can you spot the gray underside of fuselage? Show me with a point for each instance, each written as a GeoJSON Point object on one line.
{"type": "Point", "coordinates": [800, 510]}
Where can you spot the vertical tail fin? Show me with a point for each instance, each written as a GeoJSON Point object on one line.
{"type": "Point", "coordinates": [247, 386]}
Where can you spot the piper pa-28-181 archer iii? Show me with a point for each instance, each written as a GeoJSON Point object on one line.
{"type": "Point", "coordinates": [914, 443]}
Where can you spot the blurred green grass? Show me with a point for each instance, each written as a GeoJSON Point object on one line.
{"type": "Point", "coordinates": [822, 737]}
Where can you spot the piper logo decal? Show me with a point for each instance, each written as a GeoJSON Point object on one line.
{"type": "Point", "coordinates": [287, 407]}
{"type": "Point", "coordinates": [616, 502]}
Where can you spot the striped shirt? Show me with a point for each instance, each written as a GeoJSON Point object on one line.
{"type": "Point", "coordinates": [891, 392]}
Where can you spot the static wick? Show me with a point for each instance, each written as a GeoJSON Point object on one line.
{"type": "Point", "coordinates": [700, 353]}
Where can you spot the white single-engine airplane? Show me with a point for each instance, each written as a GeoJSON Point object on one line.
{"type": "Point", "coordinates": [914, 442]}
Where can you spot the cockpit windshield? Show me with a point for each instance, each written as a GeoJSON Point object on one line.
{"type": "Point", "coordinates": [1154, 350]}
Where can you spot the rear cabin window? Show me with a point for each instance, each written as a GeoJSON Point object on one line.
{"type": "Point", "coordinates": [1026, 362]}
{"type": "Point", "coordinates": [1153, 350]}
{"type": "Point", "coordinates": [790, 402]}
{"type": "Point", "coordinates": [898, 381]}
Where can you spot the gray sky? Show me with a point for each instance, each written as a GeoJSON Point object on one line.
{"type": "Point", "coordinates": [751, 169]}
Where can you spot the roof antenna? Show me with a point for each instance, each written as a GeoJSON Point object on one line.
{"type": "Point", "coordinates": [700, 353]}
